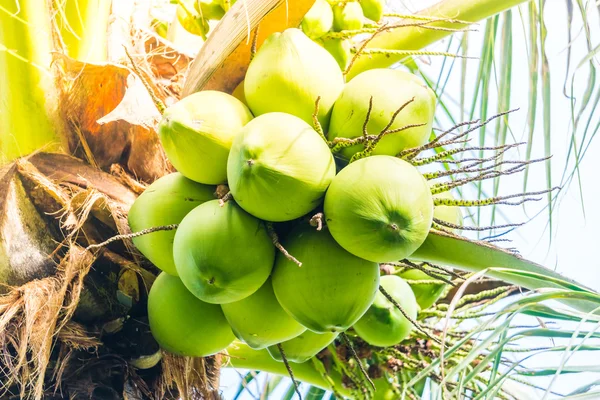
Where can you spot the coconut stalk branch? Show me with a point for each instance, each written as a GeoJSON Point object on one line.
{"type": "Point", "coordinates": [416, 38]}
{"type": "Point", "coordinates": [459, 252]}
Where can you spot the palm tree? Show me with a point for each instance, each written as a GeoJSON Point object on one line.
{"type": "Point", "coordinates": [84, 82]}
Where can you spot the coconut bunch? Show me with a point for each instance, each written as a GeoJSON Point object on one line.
{"type": "Point", "coordinates": [327, 16]}
{"type": "Point", "coordinates": [288, 200]}
{"type": "Point", "coordinates": [195, 15]}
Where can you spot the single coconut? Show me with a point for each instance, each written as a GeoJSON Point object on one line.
{"type": "Point", "coordinates": [226, 4]}
{"type": "Point", "coordinates": [379, 208]}
{"type": "Point", "coordinates": [331, 290]}
{"type": "Point", "coordinates": [259, 320]}
{"type": "Point", "coordinates": [318, 20]}
{"type": "Point", "coordinates": [197, 133]}
{"type": "Point", "coordinates": [347, 16]}
{"type": "Point", "coordinates": [426, 293]}
{"type": "Point", "coordinates": [279, 167]}
{"type": "Point", "coordinates": [165, 202]}
{"type": "Point", "coordinates": [372, 9]}
{"type": "Point", "coordinates": [190, 20]}
{"type": "Point", "coordinates": [384, 324]}
{"type": "Point", "coordinates": [222, 254]}
{"type": "Point", "coordinates": [184, 324]}
{"type": "Point", "coordinates": [209, 9]}
{"type": "Point", "coordinates": [303, 347]}
{"type": "Point", "coordinates": [289, 73]}
{"type": "Point", "coordinates": [339, 49]}
{"type": "Point", "coordinates": [238, 93]}
{"type": "Point", "coordinates": [390, 89]}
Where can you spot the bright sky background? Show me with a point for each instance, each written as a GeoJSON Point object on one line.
{"type": "Point", "coordinates": [573, 249]}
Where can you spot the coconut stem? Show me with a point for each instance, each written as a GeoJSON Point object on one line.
{"type": "Point", "coordinates": [316, 123]}
{"type": "Point", "coordinates": [317, 221]}
{"type": "Point", "coordinates": [412, 321]}
{"type": "Point", "coordinates": [289, 370]}
{"type": "Point", "coordinates": [171, 227]}
{"type": "Point", "coordinates": [254, 42]}
{"type": "Point", "coordinates": [348, 344]}
{"type": "Point", "coordinates": [494, 200]}
{"type": "Point", "coordinates": [278, 245]}
{"type": "Point", "coordinates": [226, 197]}
{"type": "Point", "coordinates": [475, 228]}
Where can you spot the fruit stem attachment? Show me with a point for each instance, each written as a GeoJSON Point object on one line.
{"type": "Point", "coordinates": [348, 344]}
{"type": "Point", "coordinates": [412, 321]}
{"type": "Point", "coordinates": [317, 221]}
{"type": "Point", "coordinates": [289, 370]}
{"type": "Point", "coordinates": [157, 102]}
{"type": "Point", "coordinates": [275, 239]}
{"type": "Point", "coordinates": [226, 197]}
{"type": "Point", "coordinates": [316, 124]}
{"type": "Point", "coordinates": [171, 227]}
{"type": "Point", "coordinates": [254, 42]}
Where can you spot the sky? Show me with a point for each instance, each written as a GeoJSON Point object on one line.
{"type": "Point", "coordinates": [572, 249]}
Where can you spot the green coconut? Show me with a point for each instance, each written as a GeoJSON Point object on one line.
{"type": "Point", "coordinates": [426, 294]}
{"type": "Point", "coordinates": [190, 20]}
{"type": "Point", "coordinates": [209, 9]}
{"type": "Point", "coordinates": [184, 324]}
{"type": "Point", "coordinates": [279, 167]}
{"type": "Point", "coordinates": [259, 320]}
{"type": "Point", "coordinates": [384, 324]}
{"type": "Point", "coordinates": [165, 202]}
{"type": "Point", "coordinates": [347, 16]}
{"type": "Point", "coordinates": [379, 208]}
{"type": "Point", "coordinates": [238, 93]}
{"type": "Point", "coordinates": [288, 73]}
{"type": "Point", "coordinates": [226, 4]}
{"type": "Point", "coordinates": [372, 9]}
{"type": "Point", "coordinates": [318, 20]}
{"type": "Point", "coordinates": [197, 133]}
{"type": "Point", "coordinates": [303, 347]}
{"type": "Point", "coordinates": [390, 89]}
{"type": "Point", "coordinates": [331, 290]}
{"type": "Point", "coordinates": [339, 49]}
{"type": "Point", "coordinates": [222, 254]}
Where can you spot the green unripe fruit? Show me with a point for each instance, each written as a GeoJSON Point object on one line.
{"type": "Point", "coordinates": [340, 50]}
{"type": "Point", "coordinates": [372, 9]}
{"type": "Point", "coordinates": [165, 202]}
{"type": "Point", "coordinates": [347, 16]}
{"type": "Point", "coordinates": [384, 324]}
{"type": "Point", "coordinates": [222, 254]}
{"type": "Point", "coordinates": [226, 4]}
{"type": "Point", "coordinates": [238, 93]}
{"type": "Point", "coordinates": [287, 75]}
{"type": "Point", "coordinates": [197, 133]}
{"type": "Point", "coordinates": [279, 168]}
{"type": "Point", "coordinates": [259, 320]}
{"type": "Point", "coordinates": [331, 290]}
{"type": "Point", "coordinates": [190, 20]}
{"type": "Point", "coordinates": [318, 20]}
{"type": "Point", "coordinates": [183, 324]}
{"type": "Point", "coordinates": [209, 9]}
{"type": "Point", "coordinates": [426, 294]}
{"type": "Point", "coordinates": [379, 208]}
{"type": "Point", "coordinates": [390, 89]}
{"type": "Point", "coordinates": [303, 347]}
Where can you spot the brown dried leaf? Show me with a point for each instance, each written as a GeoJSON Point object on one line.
{"type": "Point", "coordinates": [109, 117]}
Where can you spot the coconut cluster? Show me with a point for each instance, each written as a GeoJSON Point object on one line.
{"type": "Point", "coordinates": [194, 15]}
{"type": "Point", "coordinates": [332, 16]}
{"type": "Point", "coordinates": [232, 267]}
